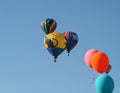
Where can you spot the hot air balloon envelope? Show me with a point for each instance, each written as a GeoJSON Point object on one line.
{"type": "Point", "coordinates": [55, 43]}
{"type": "Point", "coordinates": [72, 39]}
{"type": "Point", "coordinates": [48, 25]}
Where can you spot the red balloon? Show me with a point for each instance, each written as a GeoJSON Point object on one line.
{"type": "Point", "coordinates": [100, 62]}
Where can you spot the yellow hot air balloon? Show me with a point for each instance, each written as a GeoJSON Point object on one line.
{"type": "Point", "coordinates": [55, 43]}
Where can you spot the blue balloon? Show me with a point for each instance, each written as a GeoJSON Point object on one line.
{"type": "Point", "coordinates": [104, 84]}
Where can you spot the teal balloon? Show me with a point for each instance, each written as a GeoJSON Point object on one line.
{"type": "Point", "coordinates": [104, 84]}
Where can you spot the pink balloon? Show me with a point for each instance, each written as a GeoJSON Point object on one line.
{"type": "Point", "coordinates": [88, 56]}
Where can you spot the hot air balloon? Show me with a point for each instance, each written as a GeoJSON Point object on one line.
{"type": "Point", "coordinates": [48, 25]}
{"type": "Point", "coordinates": [72, 39]}
{"type": "Point", "coordinates": [100, 62]}
{"type": "Point", "coordinates": [104, 84]}
{"type": "Point", "coordinates": [55, 43]}
{"type": "Point", "coordinates": [88, 56]}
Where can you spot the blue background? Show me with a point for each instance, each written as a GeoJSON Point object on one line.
{"type": "Point", "coordinates": [25, 64]}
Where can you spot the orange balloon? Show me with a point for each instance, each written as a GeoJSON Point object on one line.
{"type": "Point", "coordinates": [100, 62]}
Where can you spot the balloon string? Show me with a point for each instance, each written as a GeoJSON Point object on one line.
{"type": "Point", "coordinates": [93, 78]}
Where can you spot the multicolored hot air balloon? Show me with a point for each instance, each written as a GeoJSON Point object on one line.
{"type": "Point", "coordinates": [55, 43]}
{"type": "Point", "coordinates": [72, 39]}
{"type": "Point", "coordinates": [48, 25]}
{"type": "Point", "coordinates": [104, 84]}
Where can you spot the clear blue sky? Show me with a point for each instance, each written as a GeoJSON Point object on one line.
{"type": "Point", "coordinates": [27, 67]}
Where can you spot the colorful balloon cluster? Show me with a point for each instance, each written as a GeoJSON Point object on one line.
{"type": "Point", "coordinates": [56, 42]}
{"type": "Point", "coordinates": [99, 61]}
